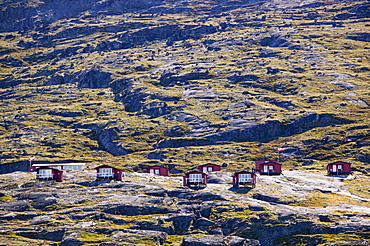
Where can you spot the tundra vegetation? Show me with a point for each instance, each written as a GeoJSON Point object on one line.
{"type": "Point", "coordinates": [181, 84]}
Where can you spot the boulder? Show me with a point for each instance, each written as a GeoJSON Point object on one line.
{"type": "Point", "coordinates": [9, 216]}
{"type": "Point", "coordinates": [203, 224]}
{"type": "Point", "coordinates": [203, 241]}
{"type": "Point", "coordinates": [131, 237]}
{"type": "Point", "coordinates": [93, 78]}
{"type": "Point", "coordinates": [19, 206]}
{"type": "Point", "coordinates": [71, 240]}
{"type": "Point", "coordinates": [239, 241]}
{"type": "Point", "coordinates": [181, 222]}
{"type": "Point", "coordinates": [40, 199]}
{"type": "Point", "coordinates": [44, 219]}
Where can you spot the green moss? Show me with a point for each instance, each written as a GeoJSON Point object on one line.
{"type": "Point", "coordinates": [89, 237]}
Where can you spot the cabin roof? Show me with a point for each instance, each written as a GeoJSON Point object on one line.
{"type": "Point", "coordinates": [340, 162]}
{"type": "Point", "coordinates": [156, 166]}
{"type": "Point", "coordinates": [270, 162]}
{"type": "Point", "coordinates": [196, 171]}
{"type": "Point", "coordinates": [244, 171]}
{"type": "Point", "coordinates": [52, 168]}
{"type": "Point", "coordinates": [108, 166]}
{"type": "Point", "coordinates": [209, 164]}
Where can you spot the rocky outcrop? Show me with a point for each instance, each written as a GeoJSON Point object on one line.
{"type": "Point", "coordinates": [258, 132]}
{"type": "Point", "coordinates": [171, 32]}
{"type": "Point", "coordinates": [219, 241]}
{"type": "Point", "coordinates": [40, 200]}
{"type": "Point", "coordinates": [93, 78]}
{"type": "Point", "coordinates": [108, 138]}
{"type": "Point", "coordinates": [171, 79]}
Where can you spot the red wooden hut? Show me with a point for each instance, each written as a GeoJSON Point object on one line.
{"type": "Point", "coordinates": [157, 170]}
{"type": "Point", "coordinates": [244, 179]}
{"type": "Point", "coordinates": [206, 168]}
{"type": "Point", "coordinates": [48, 173]}
{"type": "Point", "coordinates": [105, 172]}
{"type": "Point", "coordinates": [339, 168]}
{"type": "Point", "coordinates": [268, 167]}
{"type": "Point", "coordinates": [195, 179]}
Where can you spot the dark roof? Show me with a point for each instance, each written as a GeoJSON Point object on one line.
{"type": "Point", "coordinates": [209, 164]}
{"type": "Point", "coordinates": [270, 162]}
{"type": "Point", "coordinates": [342, 162]}
{"type": "Point", "coordinates": [105, 165]}
{"type": "Point", "coordinates": [156, 166]}
{"type": "Point", "coordinates": [244, 171]}
{"type": "Point", "coordinates": [196, 171]}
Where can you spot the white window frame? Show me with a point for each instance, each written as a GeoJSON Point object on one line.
{"type": "Point", "coordinates": [245, 178]}
{"type": "Point", "coordinates": [105, 172]}
{"type": "Point", "coordinates": [45, 174]}
{"type": "Point", "coordinates": [195, 178]}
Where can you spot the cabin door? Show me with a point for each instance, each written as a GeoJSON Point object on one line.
{"type": "Point", "coordinates": [265, 170]}
{"type": "Point", "coordinates": [334, 168]}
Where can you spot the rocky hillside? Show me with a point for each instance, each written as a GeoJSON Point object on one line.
{"type": "Point", "coordinates": [179, 84]}
{"type": "Point", "coordinates": [296, 208]}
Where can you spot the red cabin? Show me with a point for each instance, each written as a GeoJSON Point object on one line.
{"type": "Point", "coordinates": [268, 167]}
{"type": "Point", "coordinates": [157, 170]}
{"type": "Point", "coordinates": [106, 172]}
{"type": "Point", "coordinates": [48, 173]}
{"type": "Point", "coordinates": [195, 179]}
{"type": "Point", "coordinates": [206, 168]}
{"type": "Point", "coordinates": [339, 168]}
{"type": "Point", "coordinates": [244, 179]}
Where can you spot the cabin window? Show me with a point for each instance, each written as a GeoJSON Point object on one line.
{"type": "Point", "coordinates": [45, 173]}
{"type": "Point", "coordinates": [154, 171]}
{"type": "Point", "coordinates": [195, 177]}
{"type": "Point", "coordinates": [271, 168]}
{"type": "Point", "coordinates": [245, 177]}
{"type": "Point", "coordinates": [105, 172]}
{"type": "Point", "coordinates": [210, 169]}
{"type": "Point", "coordinates": [340, 167]}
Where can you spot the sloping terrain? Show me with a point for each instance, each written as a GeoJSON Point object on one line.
{"type": "Point", "coordinates": [179, 84]}
{"type": "Point", "coordinates": [126, 83]}
{"type": "Point", "coordinates": [296, 208]}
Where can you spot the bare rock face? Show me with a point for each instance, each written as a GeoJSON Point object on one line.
{"type": "Point", "coordinates": [15, 206]}
{"type": "Point", "coordinates": [218, 241]}
{"type": "Point", "coordinates": [257, 132]}
{"type": "Point", "coordinates": [40, 199]}
{"type": "Point", "coordinates": [94, 78]}
{"type": "Point", "coordinates": [203, 241]}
